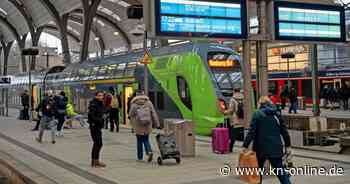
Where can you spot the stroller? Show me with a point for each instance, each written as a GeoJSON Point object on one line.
{"type": "Point", "coordinates": [167, 148]}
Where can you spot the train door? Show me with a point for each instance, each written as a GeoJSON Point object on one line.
{"type": "Point", "coordinates": [127, 93]}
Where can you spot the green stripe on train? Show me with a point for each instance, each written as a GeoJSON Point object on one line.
{"type": "Point", "coordinates": [189, 65]}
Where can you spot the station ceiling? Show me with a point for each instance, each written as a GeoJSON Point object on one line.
{"type": "Point", "coordinates": [110, 24]}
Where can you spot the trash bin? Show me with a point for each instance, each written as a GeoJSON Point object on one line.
{"type": "Point", "coordinates": [301, 103]}
{"type": "Point", "coordinates": [184, 132]}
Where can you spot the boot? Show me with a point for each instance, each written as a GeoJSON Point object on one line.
{"type": "Point", "coordinates": [99, 164]}
{"type": "Point", "coordinates": [93, 163]}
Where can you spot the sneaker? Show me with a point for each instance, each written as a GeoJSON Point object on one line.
{"type": "Point", "coordinates": [150, 157]}
{"type": "Point", "coordinates": [53, 142]}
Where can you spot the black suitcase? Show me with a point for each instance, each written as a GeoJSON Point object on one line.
{"type": "Point", "coordinates": [167, 148]}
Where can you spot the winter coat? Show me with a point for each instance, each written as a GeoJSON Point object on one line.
{"type": "Point", "coordinates": [95, 114]}
{"type": "Point", "coordinates": [265, 132]}
{"type": "Point", "coordinates": [233, 108]}
{"type": "Point", "coordinates": [47, 106]}
{"type": "Point", "coordinates": [293, 96]}
{"type": "Point", "coordinates": [25, 99]}
{"type": "Point", "coordinates": [140, 129]}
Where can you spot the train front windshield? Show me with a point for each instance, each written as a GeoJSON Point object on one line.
{"type": "Point", "coordinates": [226, 69]}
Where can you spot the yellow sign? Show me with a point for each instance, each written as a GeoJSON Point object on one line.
{"type": "Point", "coordinates": [146, 58]}
{"type": "Point", "coordinates": [221, 63]}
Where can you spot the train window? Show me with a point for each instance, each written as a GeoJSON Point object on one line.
{"type": "Point", "coordinates": [94, 72]}
{"type": "Point", "coordinates": [102, 71]}
{"type": "Point", "coordinates": [130, 69]}
{"type": "Point", "coordinates": [120, 70]}
{"type": "Point", "coordinates": [160, 100]}
{"type": "Point", "coordinates": [111, 69]}
{"type": "Point", "coordinates": [184, 92]}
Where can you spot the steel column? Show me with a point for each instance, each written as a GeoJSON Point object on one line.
{"type": "Point", "coordinates": [315, 85]}
{"type": "Point", "coordinates": [247, 85]}
{"type": "Point", "coordinates": [89, 12]}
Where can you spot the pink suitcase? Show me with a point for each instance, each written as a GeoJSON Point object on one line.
{"type": "Point", "coordinates": [220, 140]}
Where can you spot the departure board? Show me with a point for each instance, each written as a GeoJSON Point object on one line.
{"type": "Point", "coordinates": [309, 22]}
{"type": "Point", "coordinates": [193, 18]}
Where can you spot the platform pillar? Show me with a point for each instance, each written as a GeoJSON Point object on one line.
{"type": "Point", "coordinates": [315, 84]}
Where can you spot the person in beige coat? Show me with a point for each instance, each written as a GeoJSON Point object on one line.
{"type": "Point", "coordinates": [143, 118]}
{"type": "Point", "coordinates": [235, 111]}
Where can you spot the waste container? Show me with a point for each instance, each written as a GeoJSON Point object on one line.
{"type": "Point", "coordinates": [301, 103]}
{"type": "Point", "coordinates": [184, 132]}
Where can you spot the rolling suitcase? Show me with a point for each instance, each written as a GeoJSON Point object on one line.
{"type": "Point", "coordinates": [221, 140]}
{"type": "Point", "coordinates": [167, 147]}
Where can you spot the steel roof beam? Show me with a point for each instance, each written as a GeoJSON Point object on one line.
{"type": "Point", "coordinates": [16, 35]}
{"type": "Point", "coordinates": [34, 32]}
{"type": "Point", "coordinates": [94, 29]}
{"type": "Point", "coordinates": [61, 22]}
{"type": "Point", "coordinates": [113, 23]}
{"type": "Point", "coordinates": [89, 12]}
{"type": "Point", "coordinates": [6, 49]}
{"type": "Point", "coordinates": [55, 28]}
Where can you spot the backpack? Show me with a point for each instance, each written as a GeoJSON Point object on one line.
{"type": "Point", "coordinates": [240, 109]}
{"type": "Point", "coordinates": [115, 102]}
{"type": "Point", "coordinates": [143, 115]}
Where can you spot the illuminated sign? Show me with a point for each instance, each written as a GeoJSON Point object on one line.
{"type": "Point", "coordinates": [193, 18]}
{"type": "Point", "coordinates": [309, 22]}
{"type": "Point", "coordinates": [222, 63]}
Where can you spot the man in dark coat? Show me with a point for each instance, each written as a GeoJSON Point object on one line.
{"type": "Point", "coordinates": [293, 100]}
{"type": "Point", "coordinates": [25, 104]}
{"type": "Point", "coordinates": [265, 132]}
{"type": "Point", "coordinates": [96, 121]}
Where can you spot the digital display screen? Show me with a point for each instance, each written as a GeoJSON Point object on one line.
{"type": "Point", "coordinates": [309, 22]}
{"type": "Point", "coordinates": [190, 18]}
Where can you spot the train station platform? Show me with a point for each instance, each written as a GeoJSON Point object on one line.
{"type": "Point", "coordinates": [68, 161]}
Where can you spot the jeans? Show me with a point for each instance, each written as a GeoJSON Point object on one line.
{"type": "Point", "coordinates": [293, 107]}
{"type": "Point", "coordinates": [114, 119]}
{"type": "Point", "coordinates": [47, 123]}
{"type": "Point", "coordinates": [61, 119]}
{"type": "Point", "coordinates": [143, 140]}
{"type": "Point", "coordinates": [283, 177]}
{"type": "Point", "coordinates": [96, 135]}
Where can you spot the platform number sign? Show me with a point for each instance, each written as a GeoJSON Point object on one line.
{"type": "Point", "coordinates": [201, 18]}
{"type": "Point", "coordinates": [309, 22]}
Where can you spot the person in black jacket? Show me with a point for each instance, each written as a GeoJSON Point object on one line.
{"type": "Point", "coordinates": [95, 119]}
{"type": "Point", "coordinates": [265, 132]}
{"type": "Point", "coordinates": [48, 109]}
{"type": "Point", "coordinates": [25, 104]}
{"type": "Point", "coordinates": [293, 100]}
{"type": "Point", "coordinates": [61, 105]}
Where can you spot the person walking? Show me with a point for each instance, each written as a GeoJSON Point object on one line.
{"type": "Point", "coordinates": [61, 102]}
{"type": "Point", "coordinates": [265, 132]}
{"type": "Point", "coordinates": [293, 100]}
{"type": "Point", "coordinates": [48, 110]}
{"type": "Point", "coordinates": [95, 119]}
{"type": "Point", "coordinates": [143, 117]}
{"type": "Point", "coordinates": [114, 110]}
{"type": "Point", "coordinates": [284, 96]}
{"type": "Point", "coordinates": [25, 105]}
{"type": "Point", "coordinates": [235, 110]}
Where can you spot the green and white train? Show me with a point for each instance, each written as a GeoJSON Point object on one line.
{"type": "Point", "coordinates": [190, 81]}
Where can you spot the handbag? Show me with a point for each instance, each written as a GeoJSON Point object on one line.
{"type": "Point", "coordinates": [248, 160]}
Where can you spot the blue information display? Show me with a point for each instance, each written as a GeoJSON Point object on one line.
{"type": "Point", "coordinates": [190, 18]}
{"type": "Point", "coordinates": [309, 22]}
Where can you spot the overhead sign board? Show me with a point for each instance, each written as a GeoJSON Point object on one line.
{"type": "Point", "coordinates": [5, 80]}
{"type": "Point", "coordinates": [309, 22]}
{"type": "Point", "coordinates": [200, 18]}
